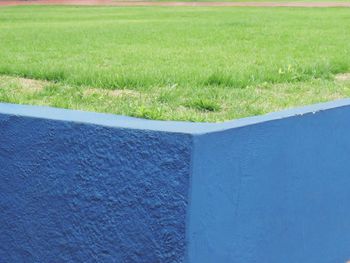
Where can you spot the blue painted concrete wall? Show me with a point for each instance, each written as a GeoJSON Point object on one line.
{"type": "Point", "coordinates": [86, 187]}
{"type": "Point", "coordinates": [73, 192]}
{"type": "Point", "coordinates": [273, 192]}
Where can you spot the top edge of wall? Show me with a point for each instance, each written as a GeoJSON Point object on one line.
{"type": "Point", "coordinates": [118, 121]}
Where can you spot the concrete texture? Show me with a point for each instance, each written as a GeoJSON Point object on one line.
{"type": "Point", "coordinates": [73, 192]}
{"type": "Point", "coordinates": [87, 187]}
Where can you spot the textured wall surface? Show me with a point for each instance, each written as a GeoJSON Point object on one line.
{"type": "Point", "coordinates": [87, 187]}
{"type": "Point", "coordinates": [82, 193]}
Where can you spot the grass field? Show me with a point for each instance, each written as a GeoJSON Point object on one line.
{"type": "Point", "coordinates": [197, 64]}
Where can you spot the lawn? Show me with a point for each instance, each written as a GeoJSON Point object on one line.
{"type": "Point", "coordinates": [175, 63]}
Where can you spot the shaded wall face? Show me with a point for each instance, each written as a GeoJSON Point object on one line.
{"type": "Point", "coordinates": [83, 193]}
{"type": "Point", "coordinates": [273, 192]}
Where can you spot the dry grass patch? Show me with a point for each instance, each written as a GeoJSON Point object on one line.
{"type": "Point", "coordinates": [343, 77]}
{"type": "Point", "coordinates": [27, 85]}
{"type": "Point", "coordinates": [174, 103]}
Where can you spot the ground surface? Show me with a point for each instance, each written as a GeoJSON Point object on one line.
{"type": "Point", "coordinates": [183, 63]}
{"type": "Point", "coordinates": [233, 3]}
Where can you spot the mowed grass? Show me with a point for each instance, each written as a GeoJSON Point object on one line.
{"type": "Point", "coordinates": [174, 63]}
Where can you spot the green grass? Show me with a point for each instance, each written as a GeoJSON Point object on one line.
{"type": "Point", "coordinates": [197, 64]}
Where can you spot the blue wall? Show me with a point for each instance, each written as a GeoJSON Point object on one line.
{"type": "Point", "coordinates": [273, 192]}
{"type": "Point", "coordinates": [87, 187]}
{"type": "Point", "coordinates": [73, 192]}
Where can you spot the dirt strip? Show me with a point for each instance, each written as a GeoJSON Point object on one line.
{"type": "Point", "coordinates": [144, 3]}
